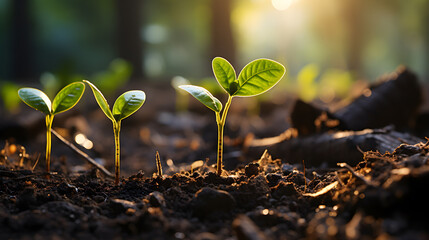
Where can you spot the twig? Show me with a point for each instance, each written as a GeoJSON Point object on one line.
{"type": "Point", "coordinates": [339, 179]}
{"type": "Point", "coordinates": [286, 135]}
{"type": "Point", "coordinates": [357, 175]}
{"type": "Point", "coordinates": [82, 154]}
{"type": "Point", "coordinates": [322, 191]}
{"type": "Point", "coordinates": [305, 178]}
{"type": "Point", "coordinates": [35, 164]}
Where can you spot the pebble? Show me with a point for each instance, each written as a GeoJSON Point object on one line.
{"type": "Point", "coordinates": [284, 189]}
{"type": "Point", "coordinates": [208, 200]}
{"type": "Point", "coordinates": [273, 178]}
{"type": "Point", "coordinates": [121, 206]}
{"type": "Point", "coordinates": [287, 169]}
{"type": "Point", "coordinates": [251, 169]}
{"type": "Point", "coordinates": [156, 199]}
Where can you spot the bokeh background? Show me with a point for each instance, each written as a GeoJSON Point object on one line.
{"type": "Point", "coordinates": [332, 50]}
{"type": "Point", "coordinates": [326, 45]}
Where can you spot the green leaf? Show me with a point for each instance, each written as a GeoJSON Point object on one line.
{"type": "Point", "coordinates": [35, 99]}
{"type": "Point", "coordinates": [101, 101]}
{"type": "Point", "coordinates": [67, 97]}
{"type": "Point", "coordinates": [225, 74]}
{"type": "Point", "coordinates": [259, 76]}
{"type": "Point", "coordinates": [203, 96]}
{"type": "Point", "coordinates": [128, 103]}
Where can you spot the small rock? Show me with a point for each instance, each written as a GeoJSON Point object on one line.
{"type": "Point", "coordinates": [287, 169]}
{"type": "Point", "coordinates": [246, 229]}
{"type": "Point", "coordinates": [273, 179]}
{"type": "Point", "coordinates": [251, 169]}
{"type": "Point", "coordinates": [208, 200]}
{"type": "Point", "coordinates": [260, 184]}
{"type": "Point", "coordinates": [156, 199]}
{"type": "Point", "coordinates": [121, 206]}
{"type": "Point", "coordinates": [284, 189]}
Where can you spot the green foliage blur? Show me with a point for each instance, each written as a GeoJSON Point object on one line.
{"type": "Point", "coordinates": [325, 45]}
{"type": "Point", "coordinates": [9, 96]}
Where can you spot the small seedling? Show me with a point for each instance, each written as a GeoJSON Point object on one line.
{"type": "Point", "coordinates": [63, 101]}
{"type": "Point", "coordinates": [125, 105]}
{"type": "Point", "coordinates": [158, 164]}
{"type": "Point", "coordinates": [256, 77]}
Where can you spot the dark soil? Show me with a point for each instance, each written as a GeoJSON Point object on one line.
{"type": "Point", "coordinates": [382, 197]}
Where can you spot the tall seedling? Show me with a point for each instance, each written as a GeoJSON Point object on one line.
{"type": "Point", "coordinates": [63, 101]}
{"type": "Point", "coordinates": [256, 77]}
{"type": "Point", "coordinates": [125, 105]}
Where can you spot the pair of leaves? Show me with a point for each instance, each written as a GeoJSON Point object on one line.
{"type": "Point", "coordinates": [256, 77]}
{"type": "Point", "coordinates": [125, 105]}
{"type": "Point", "coordinates": [63, 101]}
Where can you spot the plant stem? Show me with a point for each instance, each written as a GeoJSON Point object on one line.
{"type": "Point", "coordinates": [49, 119]}
{"type": "Point", "coordinates": [116, 130]}
{"type": "Point", "coordinates": [220, 127]}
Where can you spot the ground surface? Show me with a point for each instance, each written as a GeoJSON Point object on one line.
{"type": "Point", "coordinates": [382, 197]}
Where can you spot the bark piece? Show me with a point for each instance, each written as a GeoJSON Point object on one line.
{"type": "Point", "coordinates": [334, 147]}
{"type": "Point", "coordinates": [394, 100]}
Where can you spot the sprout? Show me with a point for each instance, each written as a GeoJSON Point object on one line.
{"type": "Point", "coordinates": [256, 77]}
{"type": "Point", "coordinates": [125, 105]}
{"type": "Point", "coordinates": [63, 101]}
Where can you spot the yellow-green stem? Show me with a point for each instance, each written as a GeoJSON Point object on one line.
{"type": "Point", "coordinates": [220, 127]}
{"type": "Point", "coordinates": [49, 119]}
{"type": "Point", "coordinates": [116, 130]}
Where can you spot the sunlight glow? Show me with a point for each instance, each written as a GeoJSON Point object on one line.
{"type": "Point", "coordinates": [83, 141]}
{"type": "Point", "coordinates": [265, 211]}
{"type": "Point", "coordinates": [80, 138]}
{"type": "Point", "coordinates": [88, 144]}
{"type": "Point", "coordinates": [281, 5]}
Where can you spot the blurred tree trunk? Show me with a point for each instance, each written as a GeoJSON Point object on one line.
{"type": "Point", "coordinates": [221, 33]}
{"type": "Point", "coordinates": [129, 43]}
{"type": "Point", "coordinates": [353, 15]}
{"type": "Point", "coordinates": [21, 41]}
{"type": "Point", "coordinates": [426, 37]}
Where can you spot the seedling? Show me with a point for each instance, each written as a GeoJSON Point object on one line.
{"type": "Point", "coordinates": [125, 105]}
{"type": "Point", "coordinates": [63, 101]}
{"type": "Point", "coordinates": [158, 164]}
{"type": "Point", "coordinates": [256, 77]}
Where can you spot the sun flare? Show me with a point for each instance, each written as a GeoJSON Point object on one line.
{"type": "Point", "coordinates": [282, 4]}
